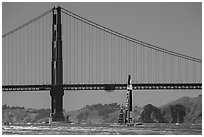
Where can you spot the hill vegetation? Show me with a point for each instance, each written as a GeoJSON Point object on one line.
{"type": "Point", "coordinates": [183, 110]}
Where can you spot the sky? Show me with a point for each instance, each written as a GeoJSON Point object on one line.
{"type": "Point", "coordinates": [174, 26]}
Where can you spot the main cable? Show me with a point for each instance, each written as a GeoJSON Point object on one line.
{"type": "Point", "coordinates": [128, 38]}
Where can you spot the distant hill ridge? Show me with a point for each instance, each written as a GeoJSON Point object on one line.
{"type": "Point", "coordinates": [189, 110]}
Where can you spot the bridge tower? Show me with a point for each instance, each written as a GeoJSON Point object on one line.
{"type": "Point", "coordinates": [57, 90]}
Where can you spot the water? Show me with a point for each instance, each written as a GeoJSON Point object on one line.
{"type": "Point", "coordinates": [67, 129]}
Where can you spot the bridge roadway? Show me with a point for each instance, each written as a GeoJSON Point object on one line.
{"type": "Point", "coordinates": [141, 86]}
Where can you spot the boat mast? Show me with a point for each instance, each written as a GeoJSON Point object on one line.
{"type": "Point", "coordinates": [128, 118]}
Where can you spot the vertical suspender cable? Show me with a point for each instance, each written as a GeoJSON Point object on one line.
{"type": "Point", "coordinates": [107, 58]}
{"type": "Point", "coordinates": [68, 77]}
{"type": "Point", "coordinates": [106, 45]}
{"type": "Point", "coordinates": [12, 59]}
{"type": "Point", "coordinates": [99, 51]}
{"type": "Point", "coordinates": [133, 63]}
{"type": "Point", "coordinates": [126, 60]}
{"type": "Point", "coordinates": [185, 74]}
{"type": "Point", "coordinates": [89, 52]}
{"type": "Point", "coordinates": [92, 44]}
{"type": "Point", "coordinates": [96, 45]}
{"type": "Point", "coordinates": [64, 47]}
{"type": "Point", "coordinates": [91, 55]}
{"type": "Point", "coordinates": [20, 54]}
{"type": "Point", "coordinates": [195, 72]}
{"type": "Point", "coordinates": [143, 64]}
{"type": "Point", "coordinates": [23, 64]}
{"type": "Point", "coordinates": [121, 69]}
{"type": "Point", "coordinates": [136, 69]}
{"type": "Point", "coordinates": [165, 67]}
{"type": "Point", "coordinates": [194, 64]}
{"type": "Point", "coordinates": [77, 68]}
{"type": "Point", "coordinates": [81, 38]}
{"type": "Point", "coordinates": [151, 65]}
{"type": "Point", "coordinates": [34, 53]}
{"type": "Point", "coordinates": [129, 65]}
{"type": "Point", "coordinates": [3, 61]}
{"type": "Point", "coordinates": [141, 69]}
{"type": "Point", "coordinates": [44, 44]}
{"type": "Point", "coordinates": [49, 47]}
{"type": "Point", "coordinates": [170, 66]}
{"type": "Point", "coordinates": [16, 58]}
{"type": "Point", "coordinates": [148, 66]}
{"type": "Point", "coordinates": [70, 48]}
{"type": "Point", "coordinates": [178, 71]}
{"type": "Point", "coordinates": [193, 76]}
{"type": "Point", "coordinates": [39, 51]}
{"type": "Point", "coordinates": [74, 49]}
{"type": "Point", "coordinates": [111, 59]}
{"type": "Point", "coordinates": [141, 61]}
{"type": "Point", "coordinates": [84, 52]}
{"type": "Point", "coordinates": [46, 33]}
{"type": "Point", "coordinates": [173, 68]}
{"type": "Point", "coordinates": [158, 66]}
{"type": "Point", "coordinates": [104, 57]}
{"type": "Point", "coordinates": [35, 46]}
{"type": "Point", "coordinates": [31, 40]}
{"type": "Point", "coordinates": [27, 55]}
{"type": "Point", "coordinates": [43, 54]}
{"type": "Point", "coordinates": [119, 59]}
{"type": "Point", "coordinates": [186, 71]}
{"type": "Point", "coordinates": [114, 71]}
{"type": "Point", "coordinates": [7, 60]}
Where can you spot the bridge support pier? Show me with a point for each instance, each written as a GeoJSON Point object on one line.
{"type": "Point", "coordinates": [57, 93]}
{"type": "Point", "coordinates": [57, 90]}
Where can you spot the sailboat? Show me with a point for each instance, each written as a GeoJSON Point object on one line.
{"type": "Point", "coordinates": [121, 117]}
{"type": "Point", "coordinates": [177, 123]}
{"type": "Point", "coordinates": [125, 118]}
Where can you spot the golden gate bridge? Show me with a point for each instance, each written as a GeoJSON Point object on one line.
{"type": "Point", "coordinates": [60, 50]}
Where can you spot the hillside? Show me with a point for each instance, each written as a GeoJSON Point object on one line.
{"type": "Point", "coordinates": [95, 113]}
{"type": "Point", "coordinates": [189, 110]}
{"type": "Point", "coordinates": [24, 115]}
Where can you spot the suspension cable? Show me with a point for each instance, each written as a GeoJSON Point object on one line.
{"type": "Point", "coordinates": [129, 38]}
{"type": "Point", "coordinates": [29, 22]}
